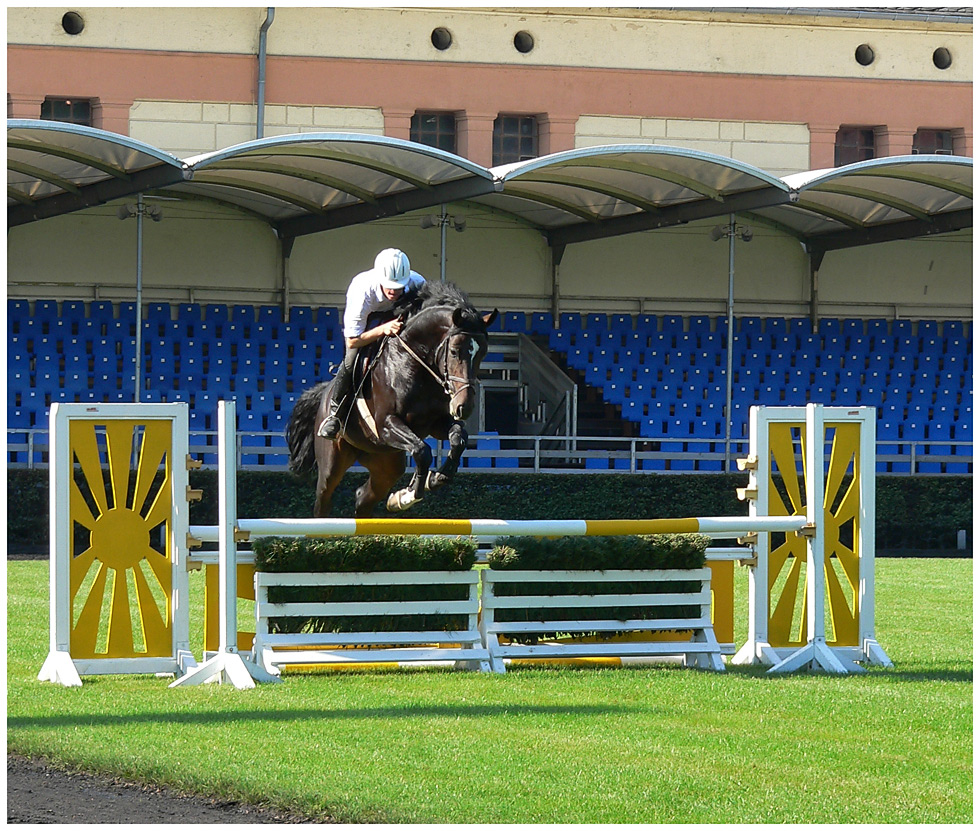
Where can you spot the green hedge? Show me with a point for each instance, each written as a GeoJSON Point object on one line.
{"type": "Point", "coordinates": [367, 553]}
{"type": "Point", "coordinates": [912, 513]}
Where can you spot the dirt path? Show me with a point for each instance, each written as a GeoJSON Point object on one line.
{"type": "Point", "coordinates": [40, 793]}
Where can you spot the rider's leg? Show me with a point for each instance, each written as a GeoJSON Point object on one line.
{"type": "Point", "coordinates": [342, 384]}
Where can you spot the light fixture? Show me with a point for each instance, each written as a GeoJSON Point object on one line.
{"type": "Point", "coordinates": [744, 233]}
{"type": "Point", "coordinates": [443, 221]}
{"type": "Point", "coordinates": [140, 210]}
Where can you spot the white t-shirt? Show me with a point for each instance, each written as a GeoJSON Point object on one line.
{"type": "Point", "coordinates": [365, 296]}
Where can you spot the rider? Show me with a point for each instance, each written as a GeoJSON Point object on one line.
{"type": "Point", "coordinates": [374, 290]}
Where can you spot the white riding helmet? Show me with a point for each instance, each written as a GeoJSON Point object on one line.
{"type": "Point", "coordinates": [394, 268]}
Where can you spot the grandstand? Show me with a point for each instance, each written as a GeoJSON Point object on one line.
{"type": "Point", "coordinates": [663, 374]}
{"type": "Point", "coordinates": [591, 160]}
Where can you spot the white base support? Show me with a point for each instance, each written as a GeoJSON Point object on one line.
{"type": "Point", "coordinates": [815, 655]}
{"type": "Point", "coordinates": [60, 669]}
{"type": "Point", "coordinates": [875, 654]}
{"type": "Point", "coordinates": [758, 652]}
{"type": "Point", "coordinates": [226, 668]}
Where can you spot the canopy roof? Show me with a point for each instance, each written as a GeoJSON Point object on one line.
{"type": "Point", "coordinates": [310, 182]}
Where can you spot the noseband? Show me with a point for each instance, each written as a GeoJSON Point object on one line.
{"type": "Point", "coordinates": [450, 383]}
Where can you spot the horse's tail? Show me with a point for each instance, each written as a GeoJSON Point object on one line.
{"type": "Point", "coordinates": [301, 429]}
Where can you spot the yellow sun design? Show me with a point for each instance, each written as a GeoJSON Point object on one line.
{"type": "Point", "coordinates": [120, 516]}
{"type": "Point", "coordinates": [787, 576]}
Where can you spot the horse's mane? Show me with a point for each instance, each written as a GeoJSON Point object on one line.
{"type": "Point", "coordinates": [433, 294]}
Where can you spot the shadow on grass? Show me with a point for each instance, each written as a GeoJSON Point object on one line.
{"type": "Point", "coordinates": [950, 675]}
{"type": "Point", "coordinates": [455, 711]}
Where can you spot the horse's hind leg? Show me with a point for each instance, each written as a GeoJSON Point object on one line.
{"type": "Point", "coordinates": [385, 469]}
{"type": "Point", "coordinates": [333, 459]}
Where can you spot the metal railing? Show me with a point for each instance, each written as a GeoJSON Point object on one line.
{"type": "Point", "coordinates": [28, 448]}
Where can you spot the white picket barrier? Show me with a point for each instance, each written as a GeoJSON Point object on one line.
{"type": "Point", "coordinates": [700, 648]}
{"type": "Point", "coordinates": [461, 647]}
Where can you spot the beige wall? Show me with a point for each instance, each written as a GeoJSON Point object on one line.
{"type": "Point", "coordinates": [205, 255]}
{"type": "Point", "coordinates": [779, 149]}
{"type": "Point", "coordinates": [687, 40]}
{"type": "Point", "coordinates": [190, 128]}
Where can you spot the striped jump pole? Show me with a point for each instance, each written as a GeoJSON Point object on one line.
{"type": "Point", "coordinates": [723, 527]}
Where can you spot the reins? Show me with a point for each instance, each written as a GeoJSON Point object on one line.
{"type": "Point", "coordinates": [446, 382]}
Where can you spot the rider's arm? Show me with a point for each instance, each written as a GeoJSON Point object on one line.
{"type": "Point", "coordinates": [389, 327]}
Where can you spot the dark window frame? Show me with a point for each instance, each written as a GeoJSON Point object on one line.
{"type": "Point", "coordinates": [68, 110]}
{"type": "Point", "coordinates": [515, 138]}
{"type": "Point", "coordinates": [434, 128]}
{"type": "Point", "coordinates": [931, 141]}
{"type": "Point", "coordinates": [854, 144]}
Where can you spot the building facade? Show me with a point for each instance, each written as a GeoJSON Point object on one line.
{"type": "Point", "coordinates": [784, 90]}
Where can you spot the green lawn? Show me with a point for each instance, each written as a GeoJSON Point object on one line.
{"type": "Point", "coordinates": [545, 745]}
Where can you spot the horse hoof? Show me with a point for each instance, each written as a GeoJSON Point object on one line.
{"type": "Point", "coordinates": [435, 480]}
{"type": "Point", "coordinates": [401, 500]}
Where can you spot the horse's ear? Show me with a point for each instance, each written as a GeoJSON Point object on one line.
{"type": "Point", "coordinates": [458, 317]}
{"type": "Point", "coordinates": [488, 319]}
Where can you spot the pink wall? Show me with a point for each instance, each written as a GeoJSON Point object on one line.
{"type": "Point", "coordinates": [478, 92]}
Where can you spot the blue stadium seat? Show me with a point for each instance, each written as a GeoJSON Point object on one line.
{"type": "Point", "coordinates": [18, 316]}
{"type": "Point", "coordinates": [672, 325]}
{"type": "Point", "coordinates": [621, 323]}
{"type": "Point", "coordinates": [216, 314]}
{"type": "Point", "coordinates": [776, 328]}
{"type": "Point", "coordinates": [541, 323]}
{"type": "Point", "coordinates": [244, 316]}
{"type": "Point", "coordinates": [190, 315]}
{"type": "Point", "coordinates": [269, 315]}
{"type": "Point", "coordinates": [45, 312]}
{"type": "Point", "coordinates": [483, 442]}
{"type": "Point", "coordinates": [647, 324]}
{"type": "Point", "coordinates": [514, 322]}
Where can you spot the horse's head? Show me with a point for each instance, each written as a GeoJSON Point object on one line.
{"type": "Point", "coordinates": [465, 347]}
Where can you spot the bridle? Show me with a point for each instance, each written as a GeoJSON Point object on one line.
{"type": "Point", "coordinates": [452, 385]}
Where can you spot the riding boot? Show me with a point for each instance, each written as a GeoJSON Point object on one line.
{"type": "Point", "coordinates": [330, 428]}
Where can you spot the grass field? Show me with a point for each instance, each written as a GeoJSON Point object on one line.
{"type": "Point", "coordinates": [590, 745]}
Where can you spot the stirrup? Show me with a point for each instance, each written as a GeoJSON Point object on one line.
{"type": "Point", "coordinates": [329, 427]}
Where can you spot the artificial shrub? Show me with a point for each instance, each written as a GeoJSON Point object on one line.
{"type": "Point", "coordinates": [660, 551]}
{"type": "Point", "coordinates": [365, 554]}
{"type": "Point", "coordinates": [913, 513]}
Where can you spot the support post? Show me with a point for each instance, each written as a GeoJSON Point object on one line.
{"type": "Point", "coordinates": [815, 654]}
{"type": "Point", "coordinates": [228, 666]}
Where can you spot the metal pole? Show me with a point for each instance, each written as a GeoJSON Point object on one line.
{"type": "Point", "coordinates": [270, 15]}
{"type": "Point", "coordinates": [139, 297]}
{"type": "Point", "coordinates": [442, 244]}
{"type": "Point", "coordinates": [731, 336]}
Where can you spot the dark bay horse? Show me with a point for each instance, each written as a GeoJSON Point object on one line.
{"type": "Point", "coordinates": [420, 382]}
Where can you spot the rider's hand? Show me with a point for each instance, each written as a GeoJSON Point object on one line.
{"type": "Point", "coordinates": [392, 327]}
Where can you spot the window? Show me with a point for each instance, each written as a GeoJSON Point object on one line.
{"type": "Point", "coordinates": [70, 110]}
{"type": "Point", "coordinates": [933, 141]}
{"type": "Point", "coordinates": [854, 144]}
{"type": "Point", "coordinates": [515, 138]}
{"type": "Point", "coordinates": [434, 130]}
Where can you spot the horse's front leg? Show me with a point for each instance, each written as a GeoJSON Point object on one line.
{"type": "Point", "coordinates": [457, 444]}
{"type": "Point", "coordinates": [396, 433]}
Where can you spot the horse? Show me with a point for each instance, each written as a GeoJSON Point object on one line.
{"type": "Point", "coordinates": [418, 383]}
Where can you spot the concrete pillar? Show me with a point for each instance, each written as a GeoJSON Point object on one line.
{"type": "Point", "coordinates": [474, 137]}
{"type": "Point", "coordinates": [556, 133]}
{"type": "Point", "coordinates": [24, 106]}
{"type": "Point", "coordinates": [111, 115]}
{"type": "Point", "coordinates": [398, 123]}
{"type": "Point", "coordinates": [893, 141]}
{"type": "Point", "coordinates": [823, 138]}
